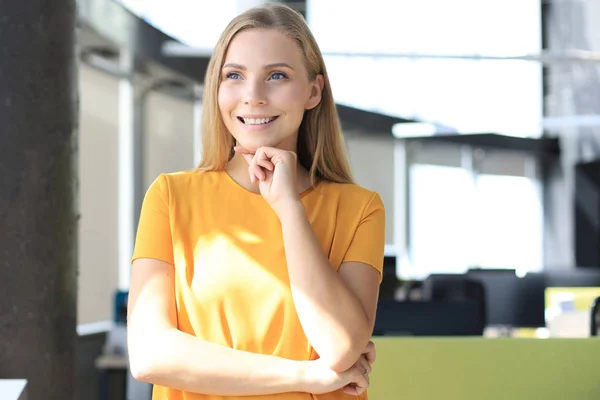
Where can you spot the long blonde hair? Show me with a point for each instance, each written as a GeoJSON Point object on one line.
{"type": "Point", "coordinates": [320, 145]}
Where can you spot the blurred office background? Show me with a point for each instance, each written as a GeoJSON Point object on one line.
{"type": "Point", "coordinates": [476, 120]}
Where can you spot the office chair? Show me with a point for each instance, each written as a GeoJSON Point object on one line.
{"type": "Point", "coordinates": [595, 320]}
{"type": "Point", "coordinates": [428, 318]}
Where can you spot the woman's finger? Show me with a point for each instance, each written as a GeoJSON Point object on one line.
{"type": "Point", "coordinates": [247, 154]}
{"type": "Point", "coordinates": [248, 157]}
{"type": "Point", "coordinates": [262, 158]}
{"type": "Point", "coordinates": [257, 171]}
{"type": "Point", "coordinates": [365, 364]}
{"type": "Point", "coordinates": [266, 164]}
{"type": "Point", "coordinates": [258, 162]}
{"type": "Point", "coordinates": [370, 353]}
{"type": "Point", "coordinates": [253, 177]}
{"type": "Point", "coordinates": [365, 382]}
{"type": "Point", "coordinates": [351, 389]}
{"type": "Point", "coordinates": [242, 150]}
{"type": "Point", "coordinates": [361, 384]}
{"type": "Point", "coordinates": [354, 389]}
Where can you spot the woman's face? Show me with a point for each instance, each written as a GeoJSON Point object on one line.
{"type": "Point", "coordinates": [265, 89]}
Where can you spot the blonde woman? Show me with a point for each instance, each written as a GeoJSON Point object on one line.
{"type": "Point", "coordinates": [258, 272]}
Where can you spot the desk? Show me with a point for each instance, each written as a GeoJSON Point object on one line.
{"type": "Point", "coordinates": [490, 369]}
{"type": "Point", "coordinates": [13, 389]}
{"type": "Point", "coordinates": [118, 382]}
{"type": "Point", "coordinates": [112, 361]}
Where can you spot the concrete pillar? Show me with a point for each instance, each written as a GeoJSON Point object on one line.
{"type": "Point", "coordinates": [38, 196]}
{"type": "Point", "coordinates": [571, 90]}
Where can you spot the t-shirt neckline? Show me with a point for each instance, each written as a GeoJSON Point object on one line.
{"type": "Point", "coordinates": [244, 190]}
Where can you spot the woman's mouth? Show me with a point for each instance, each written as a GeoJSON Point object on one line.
{"type": "Point", "coordinates": [257, 121]}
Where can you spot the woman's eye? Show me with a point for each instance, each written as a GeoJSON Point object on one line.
{"type": "Point", "coordinates": [278, 75]}
{"type": "Point", "coordinates": [232, 75]}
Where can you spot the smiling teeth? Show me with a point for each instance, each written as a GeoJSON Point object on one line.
{"type": "Point", "coordinates": [257, 121]}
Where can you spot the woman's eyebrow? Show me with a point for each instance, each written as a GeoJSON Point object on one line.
{"type": "Point", "coordinates": [268, 66]}
{"type": "Point", "coordinates": [234, 66]}
{"type": "Point", "coordinates": [278, 65]}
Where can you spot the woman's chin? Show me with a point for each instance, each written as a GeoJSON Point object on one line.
{"type": "Point", "coordinates": [253, 146]}
{"type": "Point", "coordinates": [254, 143]}
{"type": "Point", "coordinates": [249, 147]}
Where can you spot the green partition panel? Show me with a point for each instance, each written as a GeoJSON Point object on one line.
{"type": "Point", "coordinates": [487, 369]}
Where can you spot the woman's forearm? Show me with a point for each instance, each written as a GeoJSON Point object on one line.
{"type": "Point", "coordinates": [178, 360]}
{"type": "Point", "coordinates": [333, 319]}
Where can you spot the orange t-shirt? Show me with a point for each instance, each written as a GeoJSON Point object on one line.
{"type": "Point", "coordinates": [231, 278]}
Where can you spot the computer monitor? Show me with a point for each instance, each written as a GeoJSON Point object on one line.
{"type": "Point", "coordinates": [420, 318]}
{"type": "Point", "coordinates": [575, 277]}
{"type": "Point", "coordinates": [586, 215]}
{"type": "Point", "coordinates": [519, 301]}
{"type": "Point", "coordinates": [389, 283]}
{"type": "Point", "coordinates": [511, 300]}
{"type": "Point", "coordinates": [531, 306]}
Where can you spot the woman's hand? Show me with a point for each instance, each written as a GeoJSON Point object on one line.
{"type": "Point", "coordinates": [275, 171]}
{"type": "Point", "coordinates": [319, 378]}
{"type": "Point", "coordinates": [367, 359]}
{"type": "Point", "coordinates": [370, 353]}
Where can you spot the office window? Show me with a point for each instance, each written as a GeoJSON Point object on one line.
{"type": "Point", "coordinates": [440, 226]}
{"type": "Point", "coordinates": [509, 218]}
{"type": "Point", "coordinates": [195, 23]}
{"type": "Point", "coordinates": [461, 94]}
{"type": "Point", "coordinates": [459, 220]}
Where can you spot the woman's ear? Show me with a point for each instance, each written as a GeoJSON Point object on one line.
{"type": "Point", "coordinates": [316, 92]}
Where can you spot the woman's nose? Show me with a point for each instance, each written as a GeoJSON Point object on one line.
{"type": "Point", "coordinates": [255, 94]}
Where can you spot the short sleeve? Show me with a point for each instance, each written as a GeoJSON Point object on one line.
{"type": "Point", "coordinates": [368, 243]}
{"type": "Point", "coordinates": [153, 237]}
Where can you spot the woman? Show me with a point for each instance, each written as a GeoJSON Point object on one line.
{"type": "Point", "coordinates": [258, 272]}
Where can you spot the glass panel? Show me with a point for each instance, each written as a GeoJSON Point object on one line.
{"type": "Point", "coordinates": [196, 23]}
{"type": "Point", "coordinates": [487, 27]}
{"type": "Point", "coordinates": [440, 203]}
{"type": "Point", "coordinates": [508, 214]}
{"type": "Point", "coordinates": [465, 95]}
{"type": "Point", "coordinates": [457, 222]}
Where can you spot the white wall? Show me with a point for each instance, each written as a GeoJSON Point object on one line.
{"type": "Point", "coordinates": [170, 131]}
{"type": "Point", "coordinates": [168, 146]}
{"type": "Point", "coordinates": [98, 169]}
{"type": "Point", "coordinates": [372, 162]}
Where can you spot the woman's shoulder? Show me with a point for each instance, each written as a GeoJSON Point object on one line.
{"type": "Point", "coordinates": [348, 193]}
{"type": "Point", "coordinates": [185, 181]}
{"type": "Point", "coordinates": [347, 189]}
